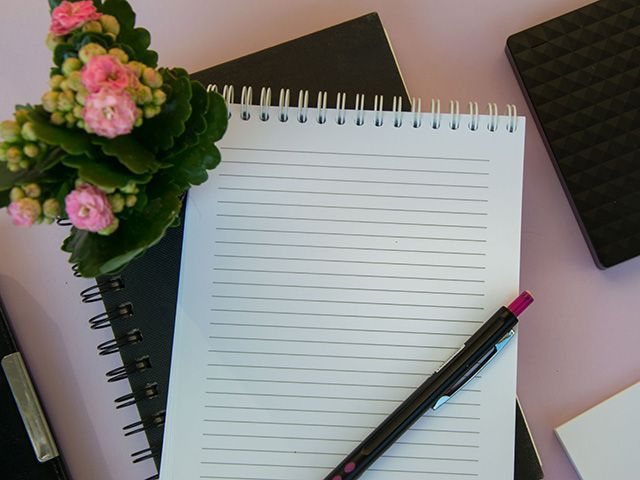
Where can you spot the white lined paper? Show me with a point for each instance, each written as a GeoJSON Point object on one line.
{"type": "Point", "coordinates": [327, 271]}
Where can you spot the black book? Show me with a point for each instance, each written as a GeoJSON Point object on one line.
{"type": "Point", "coordinates": [352, 57]}
{"type": "Point", "coordinates": [581, 75]}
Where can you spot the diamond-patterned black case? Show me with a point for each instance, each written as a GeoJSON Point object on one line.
{"type": "Point", "coordinates": [581, 75]}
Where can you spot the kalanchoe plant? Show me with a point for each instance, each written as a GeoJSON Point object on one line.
{"type": "Point", "coordinates": [115, 143]}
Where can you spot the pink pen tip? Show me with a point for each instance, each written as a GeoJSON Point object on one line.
{"type": "Point", "coordinates": [521, 303]}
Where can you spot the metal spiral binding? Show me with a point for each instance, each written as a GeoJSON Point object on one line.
{"type": "Point", "coordinates": [434, 114]}
{"type": "Point", "coordinates": [116, 344]}
{"type": "Point", "coordinates": [138, 365]}
{"type": "Point", "coordinates": [95, 292]}
{"type": "Point", "coordinates": [153, 421]}
{"type": "Point", "coordinates": [106, 318]}
{"type": "Point", "coordinates": [149, 391]}
{"type": "Point", "coordinates": [153, 451]}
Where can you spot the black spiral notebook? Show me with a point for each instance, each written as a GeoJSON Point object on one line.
{"type": "Point", "coordinates": [352, 57]}
{"type": "Point", "coordinates": [581, 75]}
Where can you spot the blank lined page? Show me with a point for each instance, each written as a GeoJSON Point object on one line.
{"type": "Point", "coordinates": [327, 271]}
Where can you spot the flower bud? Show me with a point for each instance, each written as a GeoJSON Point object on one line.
{"type": "Point", "coordinates": [78, 183]}
{"type": "Point", "coordinates": [50, 101]}
{"type": "Point", "coordinates": [57, 118]}
{"type": "Point", "coordinates": [10, 131]}
{"type": "Point", "coordinates": [74, 81]}
{"type": "Point", "coordinates": [3, 152]}
{"type": "Point", "coordinates": [151, 111]}
{"type": "Point", "coordinates": [54, 81]}
{"type": "Point", "coordinates": [143, 95]}
{"type": "Point", "coordinates": [51, 208]}
{"type": "Point", "coordinates": [64, 85]}
{"type": "Point", "coordinates": [117, 202]}
{"type": "Point", "coordinates": [119, 54]}
{"type": "Point", "coordinates": [77, 111]}
{"type": "Point", "coordinates": [53, 41]}
{"type": "Point", "coordinates": [159, 97]}
{"type": "Point", "coordinates": [22, 116]}
{"type": "Point", "coordinates": [70, 118]}
{"type": "Point", "coordinates": [32, 190]}
{"type": "Point", "coordinates": [111, 228]}
{"type": "Point", "coordinates": [136, 67]}
{"type": "Point", "coordinates": [31, 150]}
{"type": "Point", "coordinates": [152, 77]}
{"type": "Point", "coordinates": [16, 194]}
{"type": "Point", "coordinates": [92, 26]}
{"type": "Point", "coordinates": [110, 24]}
{"type": "Point", "coordinates": [48, 220]}
{"type": "Point", "coordinates": [129, 188]}
{"type": "Point", "coordinates": [28, 133]}
{"type": "Point", "coordinates": [80, 124]}
{"type": "Point", "coordinates": [66, 101]}
{"type": "Point", "coordinates": [72, 64]}
{"type": "Point", "coordinates": [14, 155]}
{"type": "Point", "coordinates": [81, 96]}
{"type": "Point", "coordinates": [112, 36]}
{"type": "Point", "coordinates": [138, 121]}
{"type": "Point", "coordinates": [13, 167]}
{"type": "Point", "coordinates": [131, 200]}
{"type": "Point", "coordinates": [24, 164]}
{"type": "Point", "coordinates": [91, 50]}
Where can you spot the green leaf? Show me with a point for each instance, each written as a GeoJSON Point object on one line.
{"type": "Point", "coordinates": [46, 171]}
{"type": "Point", "coordinates": [129, 152]}
{"type": "Point", "coordinates": [62, 52]}
{"type": "Point", "coordinates": [79, 39]}
{"type": "Point", "coordinates": [4, 198]}
{"type": "Point", "coordinates": [75, 142]}
{"type": "Point", "coordinates": [138, 39]}
{"type": "Point", "coordinates": [101, 255]}
{"type": "Point", "coordinates": [159, 132]}
{"type": "Point", "coordinates": [217, 118]}
{"type": "Point", "coordinates": [191, 165]}
{"type": "Point", "coordinates": [54, 3]}
{"type": "Point", "coordinates": [106, 172]}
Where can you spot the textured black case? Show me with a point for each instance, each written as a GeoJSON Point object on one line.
{"type": "Point", "coordinates": [581, 75]}
{"type": "Point", "coordinates": [352, 57]}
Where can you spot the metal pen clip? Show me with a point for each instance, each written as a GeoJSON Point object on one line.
{"type": "Point", "coordinates": [29, 407]}
{"type": "Point", "coordinates": [473, 371]}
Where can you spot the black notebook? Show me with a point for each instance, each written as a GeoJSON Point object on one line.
{"type": "Point", "coordinates": [353, 57]}
{"type": "Point", "coordinates": [581, 75]}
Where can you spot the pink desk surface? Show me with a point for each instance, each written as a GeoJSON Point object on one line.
{"type": "Point", "coordinates": [578, 344]}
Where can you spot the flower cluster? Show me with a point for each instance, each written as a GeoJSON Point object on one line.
{"type": "Point", "coordinates": [99, 90]}
{"type": "Point", "coordinates": [28, 207]}
{"type": "Point", "coordinates": [20, 148]}
{"type": "Point", "coordinates": [115, 142]}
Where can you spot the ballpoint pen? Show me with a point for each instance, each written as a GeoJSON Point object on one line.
{"type": "Point", "coordinates": [448, 379]}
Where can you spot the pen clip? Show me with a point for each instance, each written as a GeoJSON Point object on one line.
{"type": "Point", "coordinates": [473, 371]}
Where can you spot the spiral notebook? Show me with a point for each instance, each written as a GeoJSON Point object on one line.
{"type": "Point", "coordinates": [334, 59]}
{"type": "Point", "coordinates": [330, 264]}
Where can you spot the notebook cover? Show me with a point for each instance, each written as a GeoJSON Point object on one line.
{"type": "Point", "coordinates": [581, 75]}
{"type": "Point", "coordinates": [352, 57]}
{"type": "Point", "coordinates": [18, 460]}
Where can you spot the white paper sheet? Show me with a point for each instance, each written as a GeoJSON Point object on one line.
{"type": "Point", "coordinates": [327, 271]}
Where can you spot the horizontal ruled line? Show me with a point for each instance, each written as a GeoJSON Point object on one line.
{"type": "Point", "coordinates": [312, 300]}
{"type": "Point", "coordinates": [407, 457]}
{"type": "Point", "coordinates": [346, 180]}
{"type": "Point", "coordinates": [351, 154]}
{"type": "Point", "coordinates": [366, 262]}
{"type": "Point", "coordinates": [342, 207]}
{"type": "Point", "coordinates": [300, 382]}
{"type": "Point", "coordinates": [361, 289]}
{"type": "Point", "coordinates": [351, 167]}
{"type": "Point", "coordinates": [342, 234]}
{"type": "Point", "coordinates": [261, 339]}
{"type": "Point", "coordinates": [401, 250]}
{"type": "Point", "coordinates": [328, 411]}
{"type": "Point", "coordinates": [345, 315]}
{"type": "Point", "coordinates": [309, 192]}
{"type": "Point", "coordinates": [333, 397]}
{"type": "Point", "coordinates": [342, 220]}
{"type": "Point", "coordinates": [340, 329]}
{"type": "Point", "coordinates": [333, 274]}
{"type": "Point", "coordinates": [325, 356]}
{"type": "Point", "coordinates": [255, 422]}
{"type": "Point", "coordinates": [337, 439]}
{"type": "Point", "coordinates": [310, 369]}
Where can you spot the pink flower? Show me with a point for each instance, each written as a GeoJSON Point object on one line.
{"type": "Point", "coordinates": [24, 212]}
{"type": "Point", "coordinates": [109, 113]}
{"type": "Point", "coordinates": [88, 208]}
{"type": "Point", "coordinates": [68, 16]}
{"type": "Point", "coordinates": [106, 71]}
